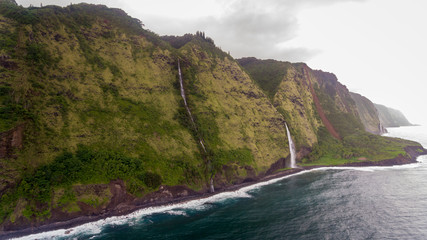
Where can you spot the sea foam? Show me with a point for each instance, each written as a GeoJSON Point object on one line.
{"type": "Point", "coordinates": [94, 228]}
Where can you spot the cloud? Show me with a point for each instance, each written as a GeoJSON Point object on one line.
{"type": "Point", "coordinates": [243, 27]}
{"type": "Point", "coordinates": [257, 28]}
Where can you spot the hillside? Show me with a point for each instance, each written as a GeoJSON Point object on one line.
{"type": "Point", "coordinates": [302, 96]}
{"type": "Point", "coordinates": [391, 117]}
{"type": "Point", "coordinates": [92, 119]}
{"type": "Point", "coordinates": [368, 114]}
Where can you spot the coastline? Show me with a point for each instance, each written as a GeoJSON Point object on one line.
{"type": "Point", "coordinates": [122, 210]}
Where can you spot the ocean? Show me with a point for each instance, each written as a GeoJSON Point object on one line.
{"type": "Point", "coordinates": [325, 203]}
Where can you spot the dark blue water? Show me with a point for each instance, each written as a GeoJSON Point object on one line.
{"type": "Point", "coordinates": [353, 203]}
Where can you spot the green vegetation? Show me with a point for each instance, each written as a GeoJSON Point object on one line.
{"type": "Point", "coordinates": [20, 14]}
{"type": "Point", "coordinates": [82, 167]}
{"type": "Point", "coordinates": [361, 146]}
{"type": "Point", "coordinates": [85, 166]}
{"type": "Point", "coordinates": [346, 123]}
{"type": "Point", "coordinates": [38, 57]}
{"type": "Point", "coordinates": [151, 180]}
{"type": "Point", "coordinates": [180, 41]}
{"type": "Point", "coordinates": [109, 119]}
{"type": "Point", "coordinates": [268, 74]}
{"type": "Point", "coordinates": [11, 112]}
{"type": "Point", "coordinates": [282, 169]}
{"type": "Point", "coordinates": [98, 99]}
{"type": "Point", "coordinates": [94, 200]}
{"type": "Point", "coordinates": [285, 85]}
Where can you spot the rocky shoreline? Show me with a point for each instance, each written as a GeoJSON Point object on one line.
{"type": "Point", "coordinates": [123, 204]}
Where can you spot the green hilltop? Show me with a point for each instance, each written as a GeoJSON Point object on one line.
{"type": "Point", "coordinates": [88, 97]}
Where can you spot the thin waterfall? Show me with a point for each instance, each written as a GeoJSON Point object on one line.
{"type": "Point", "coordinates": [382, 129]}
{"type": "Point", "coordinates": [211, 185]}
{"type": "Point", "coordinates": [183, 95]}
{"type": "Point", "coordinates": [186, 105]}
{"type": "Point", "coordinates": [291, 148]}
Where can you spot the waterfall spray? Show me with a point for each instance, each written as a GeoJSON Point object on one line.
{"type": "Point", "coordinates": [291, 148]}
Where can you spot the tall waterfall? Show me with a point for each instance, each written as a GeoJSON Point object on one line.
{"type": "Point", "coordinates": [211, 185]}
{"type": "Point", "coordinates": [291, 148]}
{"type": "Point", "coordinates": [186, 105]}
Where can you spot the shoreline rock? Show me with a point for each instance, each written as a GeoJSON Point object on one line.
{"type": "Point", "coordinates": [125, 204]}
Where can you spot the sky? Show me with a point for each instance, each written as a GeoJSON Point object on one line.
{"type": "Point", "coordinates": [377, 48]}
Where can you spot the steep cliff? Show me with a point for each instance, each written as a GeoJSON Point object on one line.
{"type": "Point", "coordinates": [340, 108]}
{"type": "Point", "coordinates": [308, 99]}
{"type": "Point", "coordinates": [288, 90]}
{"type": "Point", "coordinates": [391, 117]}
{"type": "Point", "coordinates": [321, 111]}
{"type": "Point", "coordinates": [368, 114]}
{"type": "Point", "coordinates": [92, 119]}
{"type": "Point", "coordinates": [96, 98]}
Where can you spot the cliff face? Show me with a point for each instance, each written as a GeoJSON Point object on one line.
{"type": "Point", "coordinates": [308, 99]}
{"type": "Point", "coordinates": [321, 113]}
{"type": "Point", "coordinates": [391, 117]}
{"type": "Point", "coordinates": [340, 108]}
{"type": "Point", "coordinates": [368, 114]}
{"type": "Point", "coordinates": [239, 125]}
{"type": "Point", "coordinates": [92, 97]}
{"type": "Point", "coordinates": [98, 98]}
{"type": "Point", "coordinates": [91, 116]}
{"type": "Point", "coordinates": [376, 117]}
{"type": "Point", "coordinates": [289, 91]}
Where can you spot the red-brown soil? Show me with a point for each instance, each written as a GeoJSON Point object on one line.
{"type": "Point", "coordinates": [319, 108]}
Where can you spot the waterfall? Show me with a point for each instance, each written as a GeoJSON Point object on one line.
{"type": "Point", "coordinates": [291, 148]}
{"type": "Point", "coordinates": [186, 105]}
{"type": "Point", "coordinates": [211, 186]}
{"type": "Point", "coordinates": [382, 129]}
{"type": "Point", "coordinates": [183, 95]}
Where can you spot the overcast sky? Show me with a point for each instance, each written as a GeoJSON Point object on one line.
{"type": "Point", "coordinates": [377, 48]}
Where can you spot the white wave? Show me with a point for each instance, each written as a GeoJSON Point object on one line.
{"type": "Point", "coordinates": [177, 213]}
{"type": "Point", "coordinates": [373, 168]}
{"type": "Point", "coordinates": [94, 228]}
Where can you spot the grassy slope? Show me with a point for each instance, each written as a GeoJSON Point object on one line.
{"type": "Point", "coordinates": [99, 97]}
{"type": "Point", "coordinates": [337, 103]}
{"type": "Point", "coordinates": [233, 114]}
{"type": "Point", "coordinates": [101, 86]}
{"type": "Point", "coordinates": [294, 101]}
{"type": "Point", "coordinates": [356, 144]}
{"type": "Point", "coordinates": [360, 146]}
{"type": "Point", "coordinates": [123, 100]}
{"type": "Point", "coordinates": [285, 87]}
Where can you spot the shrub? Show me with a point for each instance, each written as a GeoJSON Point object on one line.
{"type": "Point", "coordinates": [151, 180]}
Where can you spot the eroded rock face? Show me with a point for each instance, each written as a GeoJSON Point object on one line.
{"type": "Point", "coordinates": [10, 141]}
{"type": "Point", "coordinates": [165, 194]}
{"type": "Point", "coordinates": [119, 195]}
